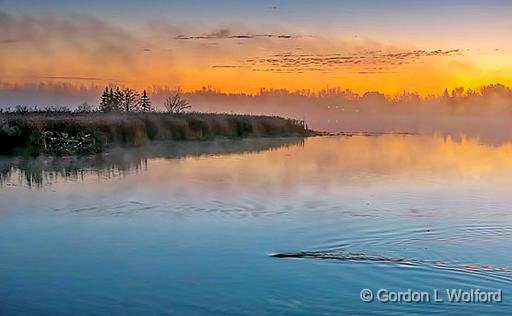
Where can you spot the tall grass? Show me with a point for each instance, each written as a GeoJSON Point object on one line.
{"type": "Point", "coordinates": [68, 133]}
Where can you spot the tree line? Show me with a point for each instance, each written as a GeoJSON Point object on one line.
{"type": "Point", "coordinates": [113, 100]}
{"type": "Point", "coordinates": [129, 100]}
{"type": "Point", "coordinates": [125, 100]}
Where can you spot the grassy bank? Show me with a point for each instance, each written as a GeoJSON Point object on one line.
{"type": "Point", "coordinates": [66, 133]}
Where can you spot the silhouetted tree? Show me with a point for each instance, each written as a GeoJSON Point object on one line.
{"type": "Point", "coordinates": [21, 109]}
{"type": "Point", "coordinates": [458, 92]}
{"type": "Point", "coordinates": [84, 108]}
{"type": "Point", "coordinates": [111, 95]}
{"type": "Point", "coordinates": [53, 109]}
{"type": "Point", "coordinates": [176, 103]}
{"type": "Point", "coordinates": [117, 99]}
{"type": "Point", "coordinates": [145, 102]}
{"type": "Point", "coordinates": [446, 95]}
{"type": "Point", "coordinates": [129, 100]}
{"type": "Point", "coordinates": [104, 102]}
{"type": "Point", "coordinates": [109, 101]}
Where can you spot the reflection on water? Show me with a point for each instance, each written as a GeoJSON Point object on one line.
{"type": "Point", "coordinates": [118, 161]}
{"type": "Point", "coordinates": [192, 233]}
{"type": "Point", "coordinates": [341, 156]}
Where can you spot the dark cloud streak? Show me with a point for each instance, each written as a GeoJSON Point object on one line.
{"type": "Point", "coordinates": [77, 78]}
{"type": "Point", "coordinates": [299, 63]}
{"type": "Point", "coordinates": [228, 34]}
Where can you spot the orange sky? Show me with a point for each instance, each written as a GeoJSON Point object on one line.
{"type": "Point", "coordinates": [244, 57]}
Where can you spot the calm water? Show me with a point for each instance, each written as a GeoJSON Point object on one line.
{"type": "Point", "coordinates": [170, 231]}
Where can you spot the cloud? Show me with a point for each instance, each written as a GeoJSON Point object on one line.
{"type": "Point", "coordinates": [374, 72]}
{"type": "Point", "coordinates": [78, 47]}
{"type": "Point", "coordinates": [9, 41]}
{"type": "Point", "coordinates": [77, 78]}
{"type": "Point", "coordinates": [227, 66]}
{"type": "Point", "coordinates": [228, 34]}
{"type": "Point", "coordinates": [220, 33]}
{"type": "Point", "coordinates": [37, 46]}
{"type": "Point", "coordinates": [81, 34]}
{"type": "Point", "coordinates": [369, 59]}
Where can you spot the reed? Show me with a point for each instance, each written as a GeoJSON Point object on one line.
{"type": "Point", "coordinates": [83, 133]}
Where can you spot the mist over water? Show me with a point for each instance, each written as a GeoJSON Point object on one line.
{"type": "Point", "coordinates": [483, 113]}
{"type": "Point", "coordinates": [119, 161]}
{"type": "Point", "coordinates": [145, 168]}
{"type": "Point", "coordinates": [188, 228]}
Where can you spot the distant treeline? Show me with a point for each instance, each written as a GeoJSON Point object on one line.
{"type": "Point", "coordinates": [486, 110]}
{"type": "Point", "coordinates": [161, 92]}
{"type": "Point", "coordinates": [310, 104]}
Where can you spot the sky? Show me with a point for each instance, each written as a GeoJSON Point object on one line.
{"type": "Point", "coordinates": [242, 46]}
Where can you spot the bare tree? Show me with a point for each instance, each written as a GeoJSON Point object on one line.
{"type": "Point", "coordinates": [176, 103]}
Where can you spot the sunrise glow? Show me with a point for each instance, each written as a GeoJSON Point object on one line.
{"type": "Point", "coordinates": [290, 45]}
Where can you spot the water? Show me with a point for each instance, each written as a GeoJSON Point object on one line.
{"type": "Point", "coordinates": [189, 229]}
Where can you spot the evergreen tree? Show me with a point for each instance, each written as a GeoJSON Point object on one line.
{"type": "Point", "coordinates": [126, 100]}
{"type": "Point", "coordinates": [145, 102]}
{"type": "Point", "coordinates": [105, 103]}
{"type": "Point", "coordinates": [117, 100]}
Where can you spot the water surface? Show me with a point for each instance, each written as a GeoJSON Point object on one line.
{"type": "Point", "coordinates": [189, 228]}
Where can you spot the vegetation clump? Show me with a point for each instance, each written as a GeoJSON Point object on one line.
{"type": "Point", "coordinates": [79, 133]}
{"type": "Point", "coordinates": [126, 118]}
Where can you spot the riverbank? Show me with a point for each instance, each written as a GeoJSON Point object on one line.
{"type": "Point", "coordinates": [89, 133]}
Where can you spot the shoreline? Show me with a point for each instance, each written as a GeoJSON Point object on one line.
{"type": "Point", "coordinates": [61, 134]}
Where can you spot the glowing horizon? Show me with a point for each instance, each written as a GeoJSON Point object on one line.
{"type": "Point", "coordinates": [291, 45]}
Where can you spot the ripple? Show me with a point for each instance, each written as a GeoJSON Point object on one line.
{"type": "Point", "coordinates": [341, 254]}
{"type": "Point", "coordinates": [120, 208]}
